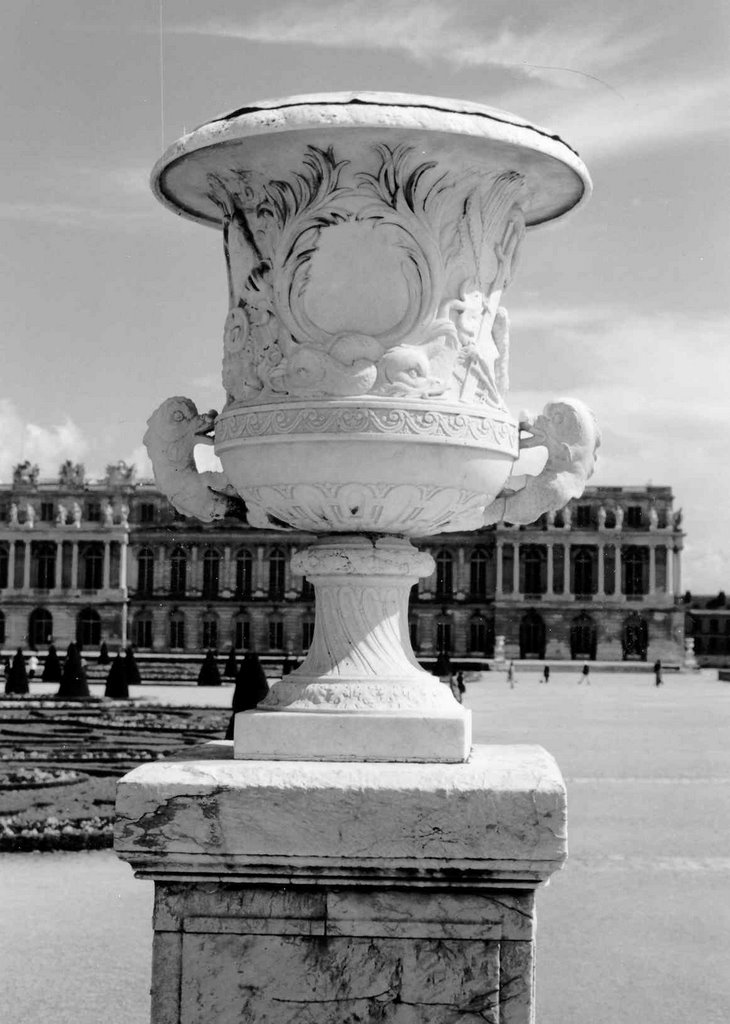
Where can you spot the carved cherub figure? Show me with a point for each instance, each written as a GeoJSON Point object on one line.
{"type": "Point", "coordinates": [13, 514]}
{"type": "Point", "coordinates": [173, 430]}
{"type": "Point", "coordinates": [76, 514]}
{"type": "Point", "coordinates": [62, 515]}
{"type": "Point", "coordinates": [108, 513]}
{"type": "Point", "coordinates": [568, 429]}
{"type": "Point", "coordinates": [29, 516]}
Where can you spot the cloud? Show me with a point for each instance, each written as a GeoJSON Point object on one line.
{"type": "Point", "coordinates": [46, 446]}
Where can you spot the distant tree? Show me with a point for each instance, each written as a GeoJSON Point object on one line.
{"type": "Point", "coordinates": [251, 688]}
{"type": "Point", "coordinates": [104, 658]}
{"type": "Point", "coordinates": [73, 678]}
{"type": "Point", "coordinates": [117, 687]}
{"type": "Point", "coordinates": [131, 668]}
{"type": "Point", "coordinates": [443, 665]}
{"type": "Point", "coordinates": [17, 681]}
{"type": "Point", "coordinates": [52, 667]}
{"type": "Point", "coordinates": [230, 670]}
{"type": "Point", "coordinates": [687, 599]}
{"type": "Point", "coordinates": [209, 674]}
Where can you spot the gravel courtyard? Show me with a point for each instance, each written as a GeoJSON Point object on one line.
{"type": "Point", "coordinates": [635, 929]}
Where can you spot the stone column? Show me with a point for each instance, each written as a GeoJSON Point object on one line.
{"type": "Point", "coordinates": [652, 569]}
{"type": "Point", "coordinates": [123, 571]}
{"type": "Point", "coordinates": [158, 578]}
{"type": "Point", "coordinates": [566, 569]}
{"type": "Point", "coordinates": [515, 568]}
{"type": "Point", "coordinates": [11, 565]}
{"type": "Point", "coordinates": [617, 552]}
{"type": "Point", "coordinates": [194, 584]}
{"type": "Point", "coordinates": [260, 582]}
{"type": "Point", "coordinates": [226, 581]}
{"type": "Point", "coordinates": [549, 570]}
{"type": "Point", "coordinates": [462, 586]}
{"type": "Point", "coordinates": [75, 565]}
{"type": "Point", "coordinates": [313, 889]}
{"type": "Point", "coordinates": [106, 577]}
{"type": "Point", "coordinates": [58, 575]}
{"type": "Point", "coordinates": [27, 554]}
{"type": "Point", "coordinates": [601, 574]}
{"type": "Point", "coordinates": [676, 571]}
{"type": "Point", "coordinates": [498, 585]}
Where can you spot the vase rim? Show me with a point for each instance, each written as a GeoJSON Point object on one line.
{"type": "Point", "coordinates": [559, 180]}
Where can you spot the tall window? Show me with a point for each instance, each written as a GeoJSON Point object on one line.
{"type": "Point", "coordinates": [534, 569]}
{"type": "Point", "coordinates": [177, 630]}
{"type": "Point", "coordinates": [93, 511]}
{"type": "Point", "coordinates": [307, 632]}
{"type": "Point", "coordinates": [88, 628]}
{"type": "Point", "coordinates": [146, 512]}
{"type": "Point", "coordinates": [40, 627]}
{"type": "Point", "coordinates": [143, 630]}
{"type": "Point", "coordinates": [244, 574]}
{"type": "Point", "coordinates": [478, 573]}
{"type": "Point", "coordinates": [532, 635]}
{"type": "Point", "coordinates": [584, 576]}
{"type": "Point", "coordinates": [43, 565]}
{"type": "Point", "coordinates": [635, 516]}
{"type": "Point", "coordinates": [481, 635]}
{"type": "Point", "coordinates": [4, 556]}
{"type": "Point", "coordinates": [609, 569]}
{"type": "Point", "coordinates": [178, 571]}
{"type": "Point", "coordinates": [47, 512]}
{"type": "Point", "coordinates": [276, 633]}
{"type": "Point", "coordinates": [635, 571]}
{"type": "Point", "coordinates": [146, 571]}
{"type": "Point", "coordinates": [210, 630]}
{"type": "Point", "coordinates": [277, 574]}
{"type": "Point", "coordinates": [583, 516]}
{"type": "Point", "coordinates": [211, 572]}
{"type": "Point", "coordinates": [2, 628]}
{"type": "Point", "coordinates": [242, 632]}
{"type": "Point", "coordinates": [444, 635]}
{"type": "Point", "coordinates": [92, 566]}
{"type": "Point", "coordinates": [413, 631]}
{"type": "Point", "coordinates": [307, 590]}
{"type": "Point", "coordinates": [444, 573]}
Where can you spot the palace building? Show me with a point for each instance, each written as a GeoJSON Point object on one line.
{"type": "Point", "coordinates": [112, 560]}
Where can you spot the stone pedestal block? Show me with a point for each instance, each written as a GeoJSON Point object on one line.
{"type": "Point", "coordinates": [330, 893]}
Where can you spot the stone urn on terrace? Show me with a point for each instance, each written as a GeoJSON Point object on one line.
{"type": "Point", "coordinates": [368, 240]}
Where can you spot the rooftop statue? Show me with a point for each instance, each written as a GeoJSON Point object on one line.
{"type": "Point", "coordinates": [25, 473]}
{"type": "Point", "coordinates": [71, 474]}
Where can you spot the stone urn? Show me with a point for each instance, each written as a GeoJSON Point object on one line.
{"type": "Point", "coordinates": [368, 240]}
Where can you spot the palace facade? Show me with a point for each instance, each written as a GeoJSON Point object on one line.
{"type": "Point", "coordinates": [111, 560]}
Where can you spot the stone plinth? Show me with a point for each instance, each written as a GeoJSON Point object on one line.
{"type": "Point", "coordinates": [332, 892]}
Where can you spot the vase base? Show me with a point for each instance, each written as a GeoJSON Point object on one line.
{"type": "Point", "coordinates": [264, 735]}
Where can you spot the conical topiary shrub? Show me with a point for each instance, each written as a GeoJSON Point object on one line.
{"type": "Point", "coordinates": [73, 678]}
{"type": "Point", "coordinates": [131, 668]}
{"type": "Point", "coordinates": [117, 687]}
{"type": "Point", "coordinates": [104, 658]}
{"type": "Point", "coordinates": [17, 681]}
{"type": "Point", "coordinates": [230, 670]}
{"type": "Point", "coordinates": [251, 688]}
{"type": "Point", "coordinates": [209, 674]}
{"type": "Point", "coordinates": [52, 667]}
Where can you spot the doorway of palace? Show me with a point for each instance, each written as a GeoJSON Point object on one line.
{"type": "Point", "coordinates": [583, 638]}
{"type": "Point", "coordinates": [532, 635]}
{"type": "Point", "coordinates": [635, 638]}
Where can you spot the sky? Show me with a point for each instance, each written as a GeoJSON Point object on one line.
{"type": "Point", "coordinates": [109, 303]}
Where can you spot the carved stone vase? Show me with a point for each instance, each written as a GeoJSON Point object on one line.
{"type": "Point", "coordinates": [368, 240]}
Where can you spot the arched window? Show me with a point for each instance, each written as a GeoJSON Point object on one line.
{"type": "Point", "coordinates": [2, 627]}
{"type": "Point", "coordinates": [178, 571]}
{"type": "Point", "coordinates": [277, 574]}
{"type": "Point", "coordinates": [211, 572]}
{"type": "Point", "coordinates": [478, 573]}
{"type": "Point", "coordinates": [142, 631]}
{"type": "Point", "coordinates": [584, 571]}
{"type": "Point", "coordinates": [177, 630]}
{"type": "Point", "coordinates": [635, 571]}
{"type": "Point", "coordinates": [534, 569]}
{"type": "Point", "coordinates": [244, 574]}
{"type": "Point", "coordinates": [276, 633]}
{"type": "Point", "coordinates": [444, 634]}
{"type": "Point", "coordinates": [242, 632]}
{"type": "Point", "coordinates": [532, 635]}
{"type": "Point", "coordinates": [43, 565]}
{"type": "Point", "coordinates": [92, 566]}
{"type": "Point", "coordinates": [583, 638]}
{"type": "Point", "coordinates": [4, 556]}
{"type": "Point", "coordinates": [307, 632]}
{"type": "Point", "coordinates": [210, 630]}
{"type": "Point", "coordinates": [40, 627]}
{"type": "Point", "coordinates": [444, 573]}
{"type": "Point", "coordinates": [145, 571]}
{"type": "Point", "coordinates": [88, 628]}
{"type": "Point", "coordinates": [481, 635]}
{"type": "Point", "coordinates": [635, 638]}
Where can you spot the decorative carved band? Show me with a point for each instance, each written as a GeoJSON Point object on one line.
{"type": "Point", "coordinates": [438, 425]}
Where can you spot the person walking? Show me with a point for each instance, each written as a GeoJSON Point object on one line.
{"type": "Point", "coordinates": [546, 674]}
{"type": "Point", "coordinates": [658, 677]}
{"type": "Point", "coordinates": [511, 675]}
{"type": "Point", "coordinates": [461, 686]}
{"type": "Point", "coordinates": [585, 675]}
